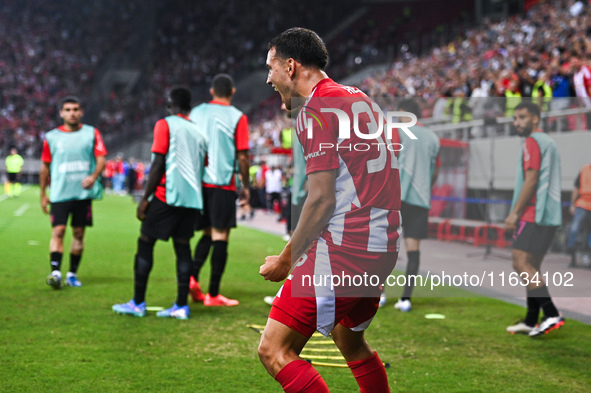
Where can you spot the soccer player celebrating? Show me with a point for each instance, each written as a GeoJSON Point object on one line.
{"type": "Point", "coordinates": [535, 215]}
{"type": "Point", "coordinates": [227, 129]}
{"type": "Point", "coordinates": [170, 202]}
{"type": "Point", "coordinates": [350, 222]}
{"type": "Point", "coordinates": [419, 167]}
{"type": "Point", "coordinates": [73, 157]}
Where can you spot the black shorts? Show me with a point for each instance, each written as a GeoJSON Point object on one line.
{"type": "Point", "coordinates": [415, 221]}
{"type": "Point", "coordinates": [81, 211]}
{"type": "Point", "coordinates": [219, 209]}
{"type": "Point", "coordinates": [533, 238]}
{"type": "Point", "coordinates": [13, 177]}
{"type": "Point", "coordinates": [164, 221]}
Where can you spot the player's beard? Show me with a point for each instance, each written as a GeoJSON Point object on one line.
{"type": "Point", "coordinates": [525, 131]}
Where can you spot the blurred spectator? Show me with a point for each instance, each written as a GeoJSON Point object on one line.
{"type": "Point", "coordinates": [39, 64]}
{"type": "Point", "coordinates": [273, 188]}
{"type": "Point", "coordinates": [44, 57]}
{"type": "Point", "coordinates": [110, 168]}
{"type": "Point", "coordinates": [582, 82]}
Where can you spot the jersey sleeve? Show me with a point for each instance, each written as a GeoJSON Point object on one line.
{"type": "Point", "coordinates": [161, 137]}
{"type": "Point", "coordinates": [241, 136]}
{"type": "Point", "coordinates": [532, 157]}
{"type": "Point", "coordinates": [46, 153]}
{"type": "Point", "coordinates": [99, 145]}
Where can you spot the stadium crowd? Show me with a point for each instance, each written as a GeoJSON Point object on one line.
{"type": "Point", "coordinates": [524, 55]}
{"type": "Point", "coordinates": [531, 55]}
{"type": "Point", "coordinates": [527, 56]}
{"type": "Point", "coordinates": [45, 56]}
{"type": "Point", "coordinates": [192, 43]}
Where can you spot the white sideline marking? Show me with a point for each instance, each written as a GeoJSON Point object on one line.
{"type": "Point", "coordinates": [21, 210]}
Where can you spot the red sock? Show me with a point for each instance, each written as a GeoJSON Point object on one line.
{"type": "Point", "coordinates": [370, 374]}
{"type": "Point", "coordinates": [300, 377]}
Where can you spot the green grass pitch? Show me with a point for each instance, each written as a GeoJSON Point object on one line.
{"type": "Point", "coordinates": [70, 340]}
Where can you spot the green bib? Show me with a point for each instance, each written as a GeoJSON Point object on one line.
{"type": "Point", "coordinates": [417, 161]}
{"type": "Point", "coordinates": [72, 159]}
{"type": "Point", "coordinates": [548, 207]}
{"type": "Point", "coordinates": [185, 163]}
{"type": "Point", "coordinates": [299, 171]}
{"type": "Point", "coordinates": [219, 124]}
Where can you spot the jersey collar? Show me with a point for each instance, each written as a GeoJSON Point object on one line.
{"type": "Point", "coordinates": [63, 128]}
{"type": "Point", "coordinates": [219, 103]}
{"type": "Point", "coordinates": [323, 81]}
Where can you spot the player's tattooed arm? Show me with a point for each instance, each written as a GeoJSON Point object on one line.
{"type": "Point", "coordinates": [244, 166]}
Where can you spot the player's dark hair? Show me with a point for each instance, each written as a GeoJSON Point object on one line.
{"type": "Point", "coordinates": [222, 85]}
{"type": "Point", "coordinates": [302, 45]}
{"type": "Point", "coordinates": [70, 100]}
{"type": "Point", "coordinates": [532, 108]}
{"type": "Point", "coordinates": [180, 97]}
{"type": "Point", "coordinates": [410, 105]}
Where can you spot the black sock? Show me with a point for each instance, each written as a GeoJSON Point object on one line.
{"type": "Point", "coordinates": [144, 259]}
{"type": "Point", "coordinates": [412, 269]}
{"type": "Point", "coordinates": [55, 260]}
{"type": "Point", "coordinates": [219, 256]}
{"type": "Point", "coordinates": [545, 301]}
{"type": "Point", "coordinates": [183, 271]}
{"type": "Point", "coordinates": [533, 310]}
{"type": "Point", "coordinates": [74, 262]}
{"type": "Point", "coordinates": [201, 252]}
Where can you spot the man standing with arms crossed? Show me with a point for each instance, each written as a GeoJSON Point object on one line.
{"type": "Point", "coordinates": [419, 167]}
{"type": "Point", "coordinates": [535, 215]}
{"type": "Point", "coordinates": [14, 164]}
{"type": "Point", "coordinates": [227, 130]}
{"type": "Point", "coordinates": [73, 158]}
{"type": "Point", "coordinates": [170, 202]}
{"type": "Point", "coordinates": [350, 221]}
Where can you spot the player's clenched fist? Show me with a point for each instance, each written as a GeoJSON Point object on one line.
{"type": "Point", "coordinates": [275, 268]}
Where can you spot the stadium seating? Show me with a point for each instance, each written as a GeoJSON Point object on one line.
{"type": "Point", "coordinates": [478, 60]}
{"type": "Point", "coordinates": [43, 57]}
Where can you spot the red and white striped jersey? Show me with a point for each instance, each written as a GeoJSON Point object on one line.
{"type": "Point", "coordinates": [366, 216]}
